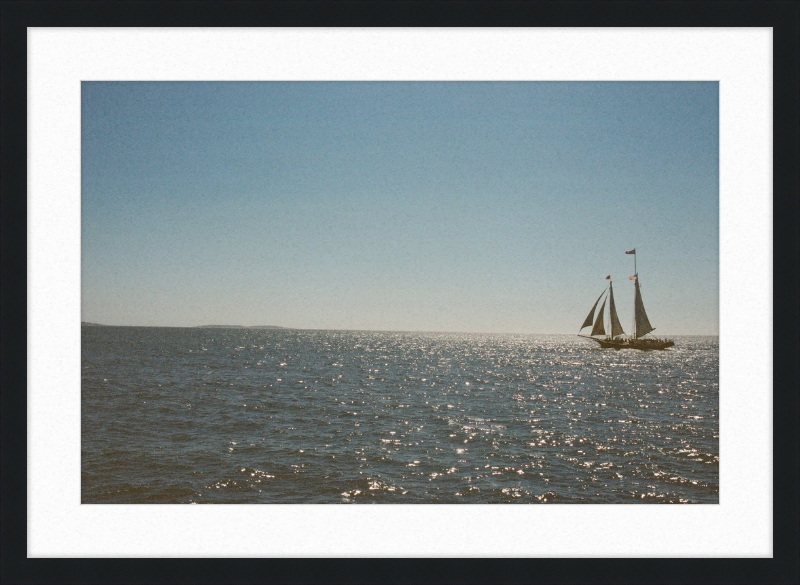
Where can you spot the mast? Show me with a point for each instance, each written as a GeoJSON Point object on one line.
{"type": "Point", "coordinates": [613, 318]}
{"type": "Point", "coordinates": [635, 279]}
{"type": "Point", "coordinates": [636, 286]}
{"type": "Point", "coordinates": [641, 324]}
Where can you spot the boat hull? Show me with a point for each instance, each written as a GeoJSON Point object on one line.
{"type": "Point", "coordinates": [640, 344]}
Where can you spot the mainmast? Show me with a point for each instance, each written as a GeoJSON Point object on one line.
{"type": "Point", "coordinates": [635, 279]}
{"type": "Point", "coordinates": [641, 324]}
{"type": "Point", "coordinates": [636, 284]}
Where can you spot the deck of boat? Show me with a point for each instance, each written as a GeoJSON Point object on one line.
{"type": "Point", "coordinates": [640, 344]}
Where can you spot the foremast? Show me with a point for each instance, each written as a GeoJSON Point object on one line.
{"type": "Point", "coordinates": [616, 326]}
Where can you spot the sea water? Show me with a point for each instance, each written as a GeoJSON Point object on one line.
{"type": "Point", "coordinates": [192, 415]}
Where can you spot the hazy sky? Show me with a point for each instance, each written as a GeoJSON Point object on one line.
{"type": "Point", "coordinates": [453, 206]}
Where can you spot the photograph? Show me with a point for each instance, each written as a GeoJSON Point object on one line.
{"type": "Point", "coordinates": [400, 292]}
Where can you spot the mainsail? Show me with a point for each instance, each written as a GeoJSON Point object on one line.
{"type": "Point", "coordinates": [590, 317]}
{"type": "Point", "coordinates": [616, 326]}
{"type": "Point", "coordinates": [643, 326]}
{"type": "Point", "coordinates": [598, 328]}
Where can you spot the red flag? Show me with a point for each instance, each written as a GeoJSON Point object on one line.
{"type": "Point", "coordinates": [608, 277]}
{"type": "Point", "coordinates": [632, 277]}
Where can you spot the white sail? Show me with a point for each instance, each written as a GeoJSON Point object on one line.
{"type": "Point", "coordinates": [598, 328]}
{"type": "Point", "coordinates": [616, 326]}
{"type": "Point", "coordinates": [590, 317]}
{"type": "Point", "coordinates": [643, 326]}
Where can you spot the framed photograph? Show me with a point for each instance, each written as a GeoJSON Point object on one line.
{"type": "Point", "coordinates": [293, 254]}
{"type": "Point", "coordinates": [391, 248]}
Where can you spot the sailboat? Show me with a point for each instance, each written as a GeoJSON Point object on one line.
{"type": "Point", "coordinates": [641, 324]}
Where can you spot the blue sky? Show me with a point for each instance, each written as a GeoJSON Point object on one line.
{"type": "Point", "coordinates": [413, 206]}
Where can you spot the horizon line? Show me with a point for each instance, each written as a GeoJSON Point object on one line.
{"type": "Point", "coordinates": [281, 327]}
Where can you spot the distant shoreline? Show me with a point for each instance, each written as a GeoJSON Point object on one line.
{"type": "Point", "coordinates": [239, 327]}
{"type": "Point", "coordinates": [89, 324]}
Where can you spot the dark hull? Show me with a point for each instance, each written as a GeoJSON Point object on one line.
{"type": "Point", "coordinates": [640, 344]}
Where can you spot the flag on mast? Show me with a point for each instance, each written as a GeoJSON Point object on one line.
{"type": "Point", "coordinates": [631, 251]}
{"type": "Point", "coordinates": [608, 277]}
{"type": "Point", "coordinates": [633, 277]}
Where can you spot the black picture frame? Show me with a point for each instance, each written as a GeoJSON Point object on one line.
{"type": "Point", "coordinates": [783, 17]}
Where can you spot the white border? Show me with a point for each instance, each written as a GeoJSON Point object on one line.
{"type": "Point", "coordinates": [58, 59]}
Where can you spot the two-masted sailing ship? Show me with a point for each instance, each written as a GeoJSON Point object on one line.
{"type": "Point", "coordinates": [641, 324]}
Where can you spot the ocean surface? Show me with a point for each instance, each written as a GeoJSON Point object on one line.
{"type": "Point", "coordinates": [190, 415]}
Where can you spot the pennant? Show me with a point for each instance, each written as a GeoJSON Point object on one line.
{"type": "Point", "coordinates": [608, 277]}
{"type": "Point", "coordinates": [633, 277]}
{"type": "Point", "coordinates": [631, 251]}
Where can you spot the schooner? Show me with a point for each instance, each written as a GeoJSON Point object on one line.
{"type": "Point", "coordinates": [641, 324]}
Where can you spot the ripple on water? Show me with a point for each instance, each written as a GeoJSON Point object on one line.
{"type": "Point", "coordinates": [284, 416]}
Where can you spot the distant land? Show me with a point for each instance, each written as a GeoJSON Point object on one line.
{"type": "Point", "coordinates": [238, 327]}
{"type": "Point", "coordinates": [88, 324]}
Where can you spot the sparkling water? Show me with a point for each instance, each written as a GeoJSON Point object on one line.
{"type": "Point", "coordinates": [191, 415]}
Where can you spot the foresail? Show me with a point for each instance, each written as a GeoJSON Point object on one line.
{"type": "Point", "coordinates": [616, 326]}
{"type": "Point", "coordinates": [643, 326]}
{"type": "Point", "coordinates": [590, 318]}
{"type": "Point", "coordinates": [598, 328]}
